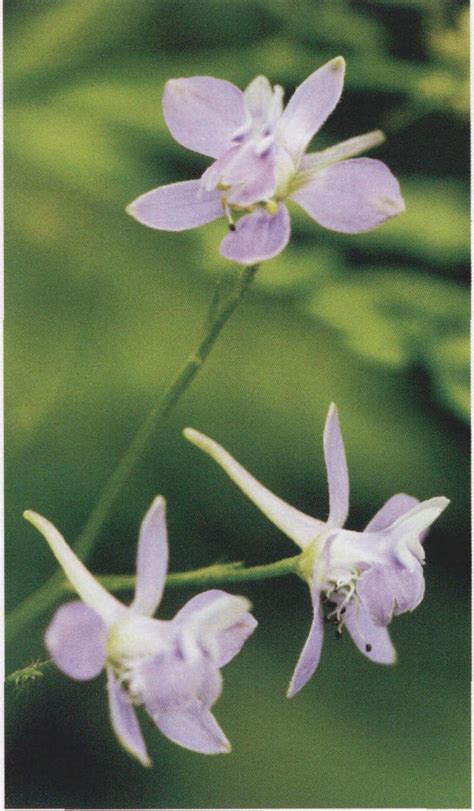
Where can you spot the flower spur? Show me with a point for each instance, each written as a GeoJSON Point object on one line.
{"type": "Point", "coordinates": [259, 162]}
{"type": "Point", "coordinates": [364, 577]}
{"type": "Point", "coordinates": [172, 668]}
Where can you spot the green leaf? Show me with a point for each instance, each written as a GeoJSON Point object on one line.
{"type": "Point", "coordinates": [449, 363]}
{"type": "Point", "coordinates": [59, 34]}
{"type": "Point", "coordinates": [400, 319]}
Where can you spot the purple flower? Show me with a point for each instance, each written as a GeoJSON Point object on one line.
{"type": "Point", "coordinates": [259, 161]}
{"type": "Point", "coordinates": [364, 577]}
{"type": "Point", "coordinates": [172, 668]}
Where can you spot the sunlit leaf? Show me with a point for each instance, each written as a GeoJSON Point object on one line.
{"type": "Point", "coordinates": [402, 319]}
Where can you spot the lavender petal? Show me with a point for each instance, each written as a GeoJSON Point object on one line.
{"type": "Point", "coordinates": [194, 728]}
{"type": "Point", "coordinates": [152, 559]}
{"type": "Point", "coordinates": [171, 682]}
{"type": "Point", "coordinates": [76, 640]}
{"type": "Point", "coordinates": [310, 655]}
{"type": "Point", "coordinates": [372, 640]}
{"type": "Point", "coordinates": [388, 590]}
{"type": "Point", "coordinates": [229, 641]}
{"type": "Point", "coordinates": [124, 720]}
{"type": "Point", "coordinates": [392, 509]}
{"type": "Point", "coordinates": [336, 466]}
{"type": "Point", "coordinates": [251, 176]}
{"type": "Point", "coordinates": [257, 236]}
{"type": "Point", "coordinates": [310, 105]}
{"type": "Point", "coordinates": [351, 197]}
{"type": "Point", "coordinates": [202, 113]}
{"type": "Point", "coordinates": [177, 207]}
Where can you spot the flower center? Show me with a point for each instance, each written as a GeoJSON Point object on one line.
{"type": "Point", "coordinates": [255, 170]}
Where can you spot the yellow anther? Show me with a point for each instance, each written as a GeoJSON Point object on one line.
{"type": "Point", "coordinates": [271, 206]}
{"type": "Point", "coordinates": [223, 186]}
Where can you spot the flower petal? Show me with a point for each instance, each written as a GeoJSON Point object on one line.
{"type": "Point", "coordinates": [87, 587]}
{"type": "Point", "coordinates": [405, 533]}
{"type": "Point", "coordinates": [388, 590]}
{"type": "Point", "coordinates": [336, 466]}
{"type": "Point", "coordinates": [202, 628]}
{"type": "Point", "coordinates": [252, 177]}
{"type": "Point", "coordinates": [342, 151]}
{"type": "Point", "coordinates": [351, 197]}
{"type": "Point", "coordinates": [301, 528]}
{"type": "Point", "coordinates": [76, 640]}
{"type": "Point", "coordinates": [392, 509]}
{"type": "Point", "coordinates": [202, 113]}
{"type": "Point", "coordinates": [257, 236]}
{"type": "Point", "coordinates": [195, 729]}
{"type": "Point", "coordinates": [171, 682]}
{"type": "Point", "coordinates": [230, 640]}
{"type": "Point", "coordinates": [372, 640]}
{"type": "Point", "coordinates": [152, 559]}
{"type": "Point", "coordinates": [310, 105]}
{"type": "Point", "coordinates": [420, 517]}
{"type": "Point", "coordinates": [124, 720]}
{"type": "Point", "coordinates": [309, 658]}
{"type": "Point", "coordinates": [177, 207]}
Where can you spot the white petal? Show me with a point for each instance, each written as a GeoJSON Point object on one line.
{"type": "Point", "coordinates": [301, 528]}
{"type": "Point", "coordinates": [87, 587]}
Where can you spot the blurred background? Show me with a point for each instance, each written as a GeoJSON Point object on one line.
{"type": "Point", "coordinates": [100, 313]}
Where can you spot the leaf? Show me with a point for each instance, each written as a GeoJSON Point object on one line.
{"type": "Point", "coordinates": [70, 149]}
{"type": "Point", "coordinates": [58, 35]}
{"type": "Point", "coordinates": [400, 319]}
{"type": "Point", "coordinates": [449, 363]}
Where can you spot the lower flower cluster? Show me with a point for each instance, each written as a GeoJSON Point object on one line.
{"type": "Point", "coordinates": [172, 668]}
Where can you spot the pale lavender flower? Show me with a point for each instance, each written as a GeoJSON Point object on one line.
{"type": "Point", "coordinates": [365, 577]}
{"type": "Point", "coordinates": [259, 162]}
{"type": "Point", "coordinates": [172, 668]}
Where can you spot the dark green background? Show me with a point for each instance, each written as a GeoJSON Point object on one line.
{"type": "Point", "coordinates": [101, 311]}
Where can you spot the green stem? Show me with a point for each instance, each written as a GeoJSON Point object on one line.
{"type": "Point", "coordinates": [207, 576]}
{"type": "Point", "coordinates": [47, 594]}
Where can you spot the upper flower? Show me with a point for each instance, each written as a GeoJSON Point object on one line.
{"type": "Point", "coordinates": [364, 577]}
{"type": "Point", "coordinates": [259, 161]}
{"type": "Point", "coordinates": [171, 667]}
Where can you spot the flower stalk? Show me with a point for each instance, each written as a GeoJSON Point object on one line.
{"type": "Point", "coordinates": [49, 592]}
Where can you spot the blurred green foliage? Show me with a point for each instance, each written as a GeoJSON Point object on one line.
{"type": "Point", "coordinates": [100, 312]}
